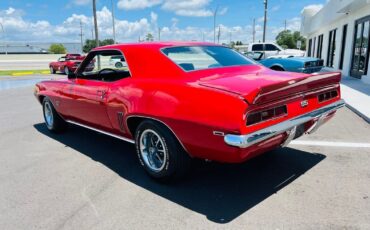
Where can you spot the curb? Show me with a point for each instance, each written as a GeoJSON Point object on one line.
{"type": "Point", "coordinates": [363, 116]}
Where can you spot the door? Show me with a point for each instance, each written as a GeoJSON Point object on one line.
{"type": "Point", "coordinates": [90, 91]}
{"type": "Point", "coordinates": [360, 54]}
{"type": "Point", "coordinates": [88, 105]}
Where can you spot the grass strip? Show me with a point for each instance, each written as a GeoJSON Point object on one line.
{"type": "Point", "coordinates": [22, 72]}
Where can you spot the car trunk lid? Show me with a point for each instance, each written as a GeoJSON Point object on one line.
{"type": "Point", "coordinates": [258, 87]}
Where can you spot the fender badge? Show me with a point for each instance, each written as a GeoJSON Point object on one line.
{"type": "Point", "coordinates": [304, 103]}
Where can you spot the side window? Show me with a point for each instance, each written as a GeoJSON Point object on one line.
{"type": "Point", "coordinates": [271, 47]}
{"type": "Point", "coordinates": [106, 65]}
{"type": "Point", "coordinates": [257, 47]}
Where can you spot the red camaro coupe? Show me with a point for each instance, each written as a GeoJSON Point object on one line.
{"type": "Point", "coordinates": [178, 101]}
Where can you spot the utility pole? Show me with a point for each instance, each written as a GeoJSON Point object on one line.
{"type": "Point", "coordinates": [214, 24]}
{"type": "Point", "coordinates": [218, 34]}
{"type": "Point", "coordinates": [264, 21]}
{"type": "Point", "coordinates": [113, 22]}
{"type": "Point", "coordinates": [254, 29]}
{"type": "Point", "coordinates": [159, 33]}
{"type": "Point", "coordinates": [81, 35]}
{"type": "Point", "coordinates": [96, 31]}
{"type": "Point", "coordinates": [95, 24]}
{"type": "Point", "coordinates": [285, 25]}
{"type": "Point", "coordinates": [5, 45]}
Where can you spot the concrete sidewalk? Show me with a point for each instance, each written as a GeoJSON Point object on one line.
{"type": "Point", "coordinates": [357, 96]}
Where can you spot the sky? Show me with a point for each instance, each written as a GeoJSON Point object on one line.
{"type": "Point", "coordinates": [59, 21]}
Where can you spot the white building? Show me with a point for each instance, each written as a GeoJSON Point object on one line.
{"type": "Point", "coordinates": [339, 33]}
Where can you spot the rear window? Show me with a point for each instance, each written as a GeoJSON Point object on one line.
{"type": "Point", "coordinates": [204, 57]}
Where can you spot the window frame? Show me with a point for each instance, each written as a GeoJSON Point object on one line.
{"type": "Point", "coordinates": [91, 56]}
{"type": "Point", "coordinates": [361, 21]}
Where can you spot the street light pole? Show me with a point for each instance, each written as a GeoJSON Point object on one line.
{"type": "Point", "coordinates": [113, 22]}
{"type": "Point", "coordinates": [264, 21]}
{"type": "Point", "coordinates": [214, 24]}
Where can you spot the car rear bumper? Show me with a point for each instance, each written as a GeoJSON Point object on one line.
{"type": "Point", "coordinates": [289, 127]}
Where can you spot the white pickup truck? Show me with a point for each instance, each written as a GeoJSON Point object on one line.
{"type": "Point", "coordinates": [270, 49]}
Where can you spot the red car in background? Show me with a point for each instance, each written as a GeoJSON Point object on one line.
{"type": "Point", "coordinates": [66, 64]}
{"type": "Point", "coordinates": [178, 101]}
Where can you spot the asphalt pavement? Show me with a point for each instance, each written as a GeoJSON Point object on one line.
{"type": "Point", "coordinates": [85, 180]}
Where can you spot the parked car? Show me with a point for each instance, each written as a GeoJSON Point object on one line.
{"type": "Point", "coordinates": [269, 49]}
{"type": "Point", "coordinates": [65, 64]}
{"type": "Point", "coordinates": [289, 63]}
{"type": "Point", "coordinates": [118, 61]}
{"type": "Point", "coordinates": [74, 56]}
{"type": "Point", "coordinates": [196, 100]}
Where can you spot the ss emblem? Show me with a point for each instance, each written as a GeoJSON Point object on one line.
{"type": "Point", "coordinates": [304, 103]}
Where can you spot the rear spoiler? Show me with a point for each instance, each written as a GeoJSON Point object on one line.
{"type": "Point", "coordinates": [291, 88]}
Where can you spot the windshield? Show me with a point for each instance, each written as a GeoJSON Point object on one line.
{"type": "Point", "coordinates": [204, 57]}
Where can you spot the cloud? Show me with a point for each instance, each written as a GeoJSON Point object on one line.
{"type": "Point", "coordinates": [81, 2]}
{"type": "Point", "coordinates": [194, 8]}
{"type": "Point", "coordinates": [17, 28]}
{"type": "Point", "coordinates": [275, 8]}
{"type": "Point", "coordinates": [314, 8]}
{"type": "Point", "coordinates": [137, 4]}
{"type": "Point", "coordinates": [190, 8]}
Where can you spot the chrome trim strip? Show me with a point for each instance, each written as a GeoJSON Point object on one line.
{"type": "Point", "coordinates": [243, 141]}
{"type": "Point", "coordinates": [155, 119]}
{"type": "Point", "coordinates": [101, 131]}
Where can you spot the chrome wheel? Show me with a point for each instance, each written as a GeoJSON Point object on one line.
{"type": "Point", "coordinates": [66, 70]}
{"type": "Point", "coordinates": [152, 150]}
{"type": "Point", "coordinates": [48, 114]}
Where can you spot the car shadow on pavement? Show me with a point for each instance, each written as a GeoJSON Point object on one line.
{"type": "Point", "coordinates": [221, 192]}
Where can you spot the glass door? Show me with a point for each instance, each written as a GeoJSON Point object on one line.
{"type": "Point", "coordinates": [360, 57]}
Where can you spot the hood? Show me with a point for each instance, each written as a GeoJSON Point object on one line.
{"type": "Point", "coordinates": [260, 86]}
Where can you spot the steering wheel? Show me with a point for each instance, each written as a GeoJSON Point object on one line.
{"type": "Point", "coordinates": [105, 69]}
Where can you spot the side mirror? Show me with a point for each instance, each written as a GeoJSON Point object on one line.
{"type": "Point", "coordinates": [71, 75]}
{"type": "Point", "coordinates": [123, 60]}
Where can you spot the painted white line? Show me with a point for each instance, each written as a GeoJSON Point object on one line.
{"type": "Point", "coordinates": [331, 144]}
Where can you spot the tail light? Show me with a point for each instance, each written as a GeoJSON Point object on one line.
{"type": "Point", "coordinates": [265, 115]}
{"type": "Point", "coordinates": [327, 95]}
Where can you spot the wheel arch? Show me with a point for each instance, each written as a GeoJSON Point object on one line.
{"type": "Point", "coordinates": [277, 67]}
{"type": "Point", "coordinates": [133, 121]}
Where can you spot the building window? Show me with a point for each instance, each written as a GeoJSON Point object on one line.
{"type": "Point", "coordinates": [309, 47]}
{"type": "Point", "coordinates": [319, 46]}
{"type": "Point", "coordinates": [331, 48]}
{"type": "Point", "coordinates": [360, 56]}
{"type": "Point", "coordinates": [343, 46]}
{"type": "Point", "coordinates": [314, 47]}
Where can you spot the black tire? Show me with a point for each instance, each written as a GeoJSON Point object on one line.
{"type": "Point", "coordinates": [277, 68]}
{"type": "Point", "coordinates": [176, 160]}
{"type": "Point", "coordinates": [56, 124]}
{"type": "Point", "coordinates": [66, 70]}
{"type": "Point", "coordinates": [52, 70]}
{"type": "Point", "coordinates": [118, 65]}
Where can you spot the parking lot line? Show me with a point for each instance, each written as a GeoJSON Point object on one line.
{"type": "Point", "coordinates": [331, 144]}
